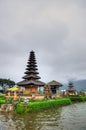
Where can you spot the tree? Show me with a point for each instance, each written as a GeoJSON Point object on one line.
{"type": "Point", "coordinates": [6, 82]}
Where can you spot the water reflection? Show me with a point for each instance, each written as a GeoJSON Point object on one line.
{"type": "Point", "coordinates": [11, 122]}
{"type": "Point", "coordinates": [72, 117]}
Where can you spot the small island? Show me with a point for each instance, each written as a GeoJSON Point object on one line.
{"type": "Point", "coordinates": [32, 94]}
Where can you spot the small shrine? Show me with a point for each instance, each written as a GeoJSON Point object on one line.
{"type": "Point", "coordinates": [71, 90]}
{"type": "Point", "coordinates": [54, 86]}
{"type": "Point", "coordinates": [31, 81]}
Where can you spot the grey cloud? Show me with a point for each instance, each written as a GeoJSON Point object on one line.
{"type": "Point", "coordinates": [55, 30]}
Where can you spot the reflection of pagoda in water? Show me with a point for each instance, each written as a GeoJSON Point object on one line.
{"type": "Point", "coordinates": [31, 79]}
{"type": "Point", "coordinates": [71, 90]}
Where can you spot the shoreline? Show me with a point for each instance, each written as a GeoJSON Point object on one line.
{"type": "Point", "coordinates": [22, 107]}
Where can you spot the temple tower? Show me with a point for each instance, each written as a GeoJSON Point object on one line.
{"type": "Point", "coordinates": [71, 90]}
{"type": "Point", "coordinates": [31, 69]}
{"type": "Point", "coordinates": [31, 79]}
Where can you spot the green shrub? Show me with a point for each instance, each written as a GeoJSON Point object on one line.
{"type": "Point", "coordinates": [85, 98]}
{"type": "Point", "coordinates": [2, 101]}
{"type": "Point", "coordinates": [22, 108]}
{"type": "Point", "coordinates": [2, 96]}
{"type": "Point", "coordinates": [49, 103]}
{"type": "Point", "coordinates": [19, 108]}
{"type": "Point", "coordinates": [77, 99]}
{"type": "Point", "coordinates": [35, 106]}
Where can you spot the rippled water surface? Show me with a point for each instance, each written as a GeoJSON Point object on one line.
{"type": "Point", "coordinates": [72, 117]}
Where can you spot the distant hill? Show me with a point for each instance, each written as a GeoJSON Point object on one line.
{"type": "Point", "coordinates": [78, 85]}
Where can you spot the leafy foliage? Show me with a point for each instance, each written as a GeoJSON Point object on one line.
{"type": "Point", "coordinates": [78, 99]}
{"type": "Point", "coordinates": [2, 101]}
{"type": "Point", "coordinates": [49, 103]}
{"type": "Point", "coordinates": [2, 96]}
{"type": "Point", "coordinates": [36, 106]}
{"type": "Point", "coordinates": [22, 108]}
{"type": "Point", "coordinates": [4, 82]}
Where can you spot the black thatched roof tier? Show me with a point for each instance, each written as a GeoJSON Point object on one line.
{"type": "Point", "coordinates": [31, 72]}
{"type": "Point", "coordinates": [31, 65]}
{"type": "Point", "coordinates": [54, 83]}
{"type": "Point", "coordinates": [31, 68]}
{"type": "Point", "coordinates": [32, 62]}
{"type": "Point", "coordinates": [31, 76]}
{"type": "Point", "coordinates": [31, 82]}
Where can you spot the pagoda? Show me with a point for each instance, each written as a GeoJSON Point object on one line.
{"type": "Point", "coordinates": [71, 90]}
{"type": "Point", "coordinates": [31, 80]}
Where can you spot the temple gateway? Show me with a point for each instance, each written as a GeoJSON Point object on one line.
{"type": "Point", "coordinates": [31, 81]}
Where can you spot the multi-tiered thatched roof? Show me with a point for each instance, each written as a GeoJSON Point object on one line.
{"type": "Point", "coordinates": [31, 75]}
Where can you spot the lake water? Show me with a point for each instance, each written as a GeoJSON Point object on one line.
{"type": "Point", "coordinates": [72, 117]}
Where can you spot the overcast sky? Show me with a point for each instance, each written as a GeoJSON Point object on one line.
{"type": "Point", "coordinates": [54, 29]}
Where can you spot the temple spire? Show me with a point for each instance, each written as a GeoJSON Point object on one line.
{"type": "Point", "coordinates": [31, 69]}
{"type": "Point", "coordinates": [31, 77]}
